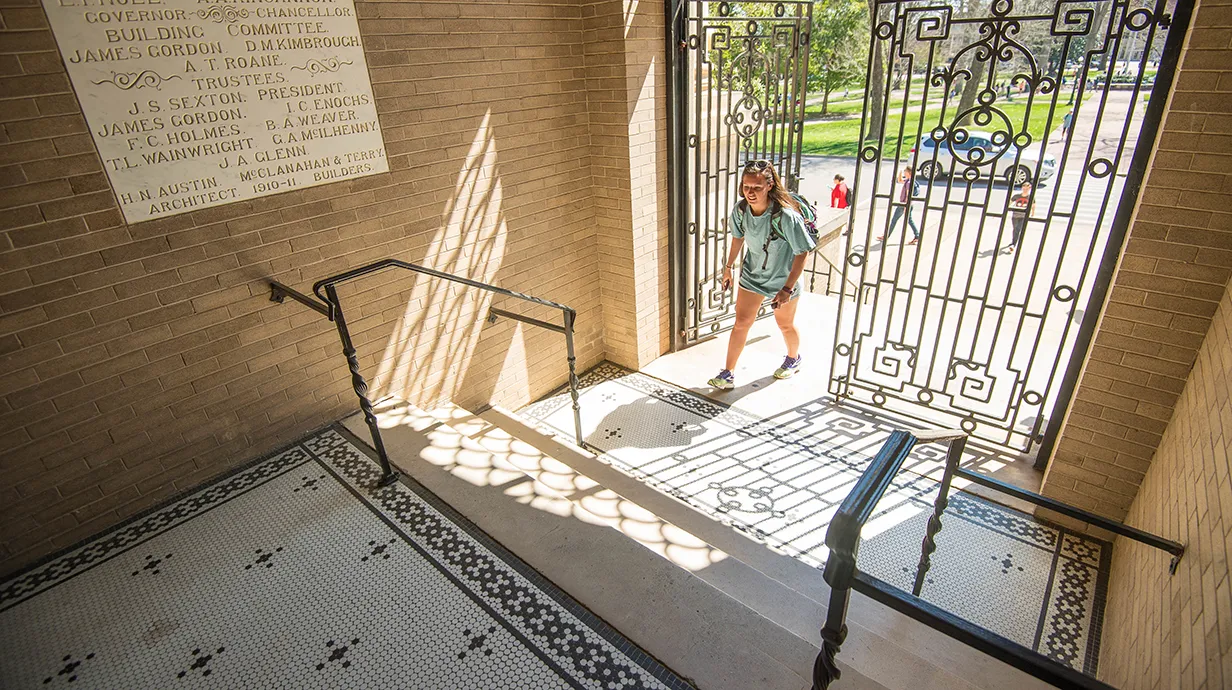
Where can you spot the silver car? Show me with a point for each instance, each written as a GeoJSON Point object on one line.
{"type": "Point", "coordinates": [969, 155]}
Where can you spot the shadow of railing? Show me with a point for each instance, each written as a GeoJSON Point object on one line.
{"type": "Point", "coordinates": [328, 304]}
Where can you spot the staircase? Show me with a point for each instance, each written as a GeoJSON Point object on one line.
{"type": "Point", "coordinates": [714, 605]}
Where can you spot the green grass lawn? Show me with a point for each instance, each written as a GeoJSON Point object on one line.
{"type": "Point", "coordinates": [853, 106]}
{"type": "Point", "coordinates": [841, 137]}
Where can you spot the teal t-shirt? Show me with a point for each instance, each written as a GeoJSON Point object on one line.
{"type": "Point", "coordinates": [768, 254]}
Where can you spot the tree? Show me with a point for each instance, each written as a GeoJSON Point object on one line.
{"type": "Point", "coordinates": [875, 89]}
{"type": "Point", "coordinates": [838, 47]}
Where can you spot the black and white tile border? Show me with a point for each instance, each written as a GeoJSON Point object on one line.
{"type": "Point", "coordinates": [133, 532]}
{"type": "Point", "coordinates": [575, 640]}
{"type": "Point", "coordinates": [582, 649]}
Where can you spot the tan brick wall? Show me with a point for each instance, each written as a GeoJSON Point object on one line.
{"type": "Point", "coordinates": [1164, 631]}
{"type": "Point", "coordinates": [624, 63]}
{"type": "Point", "coordinates": [137, 361]}
{"type": "Point", "coordinates": [1171, 277]}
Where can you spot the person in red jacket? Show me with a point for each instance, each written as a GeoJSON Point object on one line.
{"type": "Point", "coordinates": [839, 196]}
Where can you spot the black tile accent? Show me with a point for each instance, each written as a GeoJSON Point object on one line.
{"type": "Point", "coordinates": [128, 535]}
{"type": "Point", "coordinates": [484, 575]}
{"type": "Point", "coordinates": [200, 665]}
{"type": "Point", "coordinates": [69, 672]}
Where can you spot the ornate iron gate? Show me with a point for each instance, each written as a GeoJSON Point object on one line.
{"type": "Point", "coordinates": [964, 328]}
{"type": "Point", "coordinates": [741, 70]}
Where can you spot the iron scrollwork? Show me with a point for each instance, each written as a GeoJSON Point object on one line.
{"type": "Point", "coordinates": [747, 64]}
{"type": "Point", "coordinates": [962, 324]}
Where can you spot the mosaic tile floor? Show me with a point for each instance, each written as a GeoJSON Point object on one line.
{"type": "Point", "coordinates": [294, 573]}
{"type": "Point", "coordinates": [777, 481]}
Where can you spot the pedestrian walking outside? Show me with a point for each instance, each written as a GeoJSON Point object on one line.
{"type": "Point", "coordinates": [908, 189]}
{"type": "Point", "coordinates": [840, 195]}
{"type": "Point", "coordinates": [766, 224]}
{"type": "Point", "coordinates": [1065, 123]}
{"type": "Point", "coordinates": [1021, 205]}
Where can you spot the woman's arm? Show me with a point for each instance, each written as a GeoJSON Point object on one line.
{"type": "Point", "coordinates": [733, 255]}
{"type": "Point", "coordinates": [797, 267]}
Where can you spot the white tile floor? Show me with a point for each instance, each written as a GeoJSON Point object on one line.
{"type": "Point", "coordinates": [294, 573]}
{"type": "Point", "coordinates": [781, 479]}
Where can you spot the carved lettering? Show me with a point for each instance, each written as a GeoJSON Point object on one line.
{"type": "Point", "coordinates": [196, 103]}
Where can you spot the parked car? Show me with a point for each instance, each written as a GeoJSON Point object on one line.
{"type": "Point", "coordinates": [1014, 165]}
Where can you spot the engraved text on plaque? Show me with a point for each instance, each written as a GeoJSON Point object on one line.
{"type": "Point", "coordinates": [196, 103]}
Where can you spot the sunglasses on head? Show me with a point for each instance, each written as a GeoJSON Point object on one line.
{"type": "Point", "coordinates": [757, 165]}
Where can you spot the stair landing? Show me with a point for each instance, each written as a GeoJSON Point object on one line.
{"type": "Point", "coordinates": [778, 479]}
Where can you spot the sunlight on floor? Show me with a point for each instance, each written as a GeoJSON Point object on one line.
{"type": "Point", "coordinates": [483, 455]}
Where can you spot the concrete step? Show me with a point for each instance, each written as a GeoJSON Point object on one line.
{"type": "Point", "coordinates": [886, 647]}
{"type": "Point", "coordinates": [629, 566]}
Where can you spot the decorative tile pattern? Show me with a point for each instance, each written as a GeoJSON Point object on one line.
{"type": "Point", "coordinates": [298, 572]}
{"type": "Point", "coordinates": [781, 480]}
{"type": "Point", "coordinates": [132, 533]}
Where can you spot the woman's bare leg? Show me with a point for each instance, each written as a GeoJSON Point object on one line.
{"type": "Point", "coordinates": [785, 317]}
{"type": "Point", "coordinates": [747, 304]}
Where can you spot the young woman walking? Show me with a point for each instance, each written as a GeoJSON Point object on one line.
{"type": "Point", "coordinates": [768, 223]}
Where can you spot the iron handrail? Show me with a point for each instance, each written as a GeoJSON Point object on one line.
{"type": "Point", "coordinates": [843, 575]}
{"type": "Point", "coordinates": [375, 266]}
{"type": "Point", "coordinates": [328, 304]}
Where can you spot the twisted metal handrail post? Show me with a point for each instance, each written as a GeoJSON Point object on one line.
{"type": "Point", "coordinates": [843, 575]}
{"type": "Point", "coordinates": [570, 317]}
{"type": "Point", "coordinates": [953, 456]}
{"type": "Point", "coordinates": [322, 288]}
{"type": "Point", "coordinates": [388, 476]}
{"type": "Point", "coordinates": [839, 572]}
{"type": "Point", "coordinates": [843, 540]}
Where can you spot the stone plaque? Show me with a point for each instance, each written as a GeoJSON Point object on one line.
{"type": "Point", "coordinates": [196, 103]}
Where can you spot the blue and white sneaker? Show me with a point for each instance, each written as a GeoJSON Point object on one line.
{"type": "Point", "coordinates": [723, 381]}
{"type": "Point", "coordinates": [791, 365]}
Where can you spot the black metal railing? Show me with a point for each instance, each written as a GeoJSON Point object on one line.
{"type": "Point", "coordinates": [329, 305]}
{"type": "Point", "coordinates": [842, 574]}
{"type": "Point", "coordinates": [824, 278]}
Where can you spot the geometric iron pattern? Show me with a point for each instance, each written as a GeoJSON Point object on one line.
{"type": "Point", "coordinates": [747, 65]}
{"type": "Point", "coordinates": [974, 324]}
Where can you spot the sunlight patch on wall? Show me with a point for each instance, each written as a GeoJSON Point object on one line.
{"type": "Point", "coordinates": [630, 15]}
{"type": "Point", "coordinates": [429, 351]}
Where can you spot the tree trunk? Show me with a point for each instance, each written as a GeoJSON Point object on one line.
{"type": "Point", "coordinates": [825, 98]}
{"type": "Point", "coordinates": [1098, 34]}
{"type": "Point", "coordinates": [876, 87]}
{"type": "Point", "coordinates": [974, 85]}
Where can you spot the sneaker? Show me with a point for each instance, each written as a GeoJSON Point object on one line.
{"type": "Point", "coordinates": [723, 381]}
{"type": "Point", "coordinates": [789, 368]}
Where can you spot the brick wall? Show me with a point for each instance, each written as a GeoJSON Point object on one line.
{"type": "Point", "coordinates": [1171, 277]}
{"type": "Point", "coordinates": [624, 63]}
{"type": "Point", "coordinates": [137, 361]}
{"type": "Point", "coordinates": [1164, 631]}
